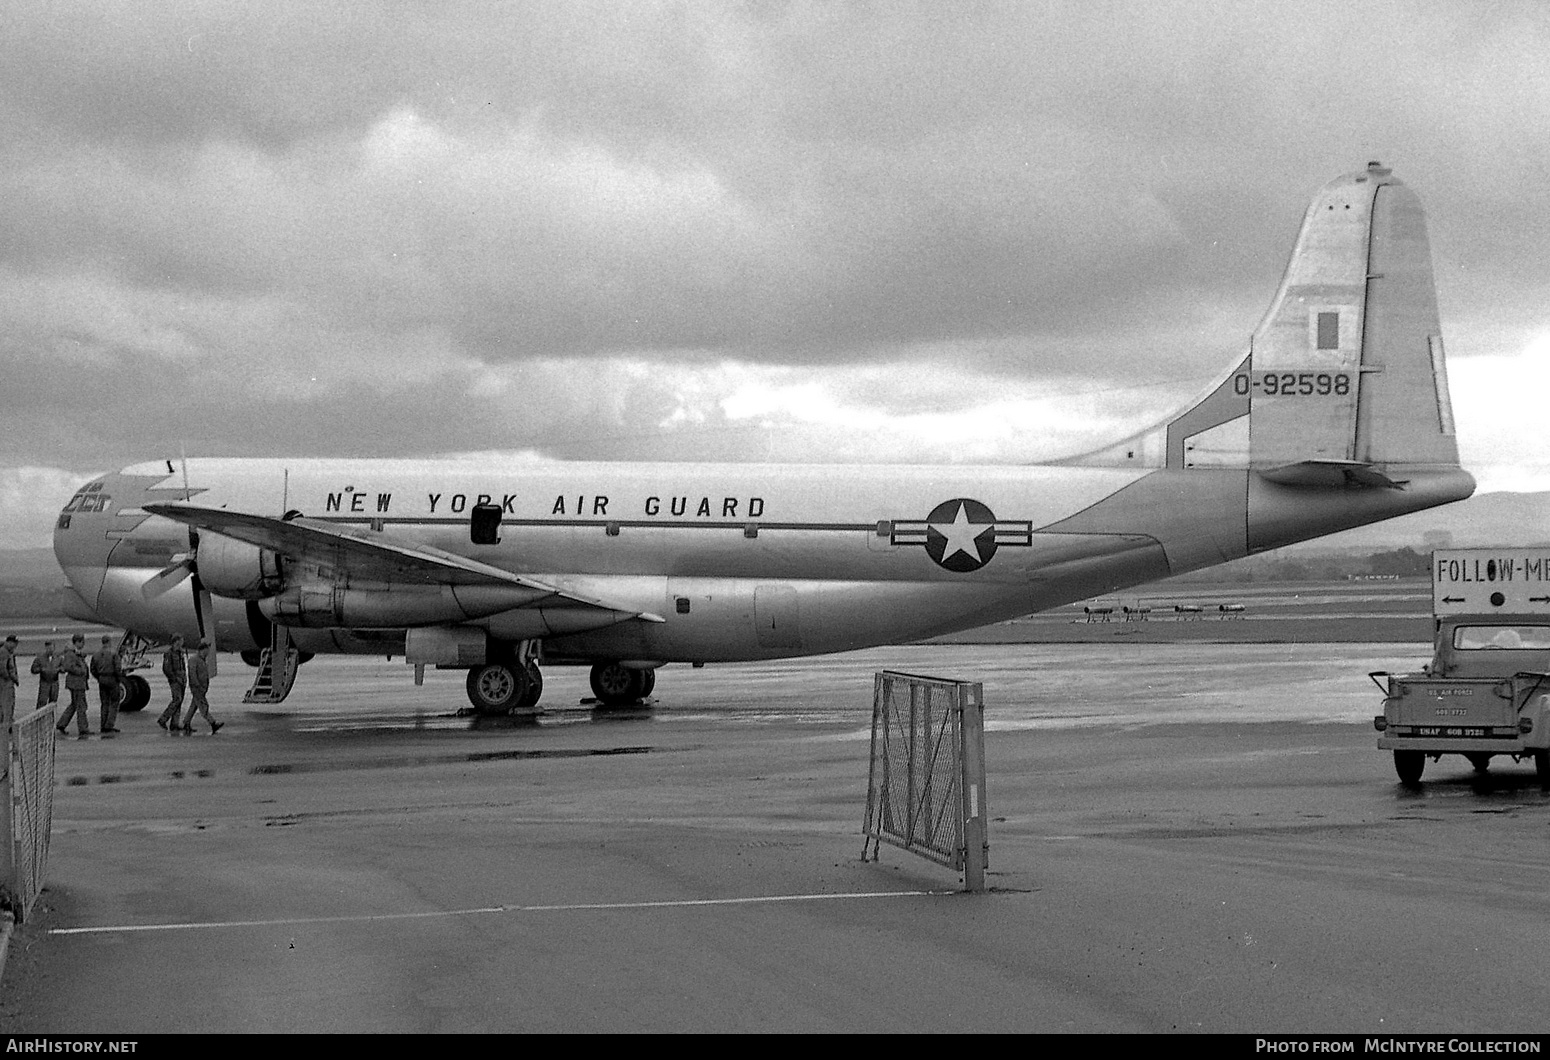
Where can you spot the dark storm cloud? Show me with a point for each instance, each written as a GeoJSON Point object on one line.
{"type": "Point", "coordinates": [399, 228]}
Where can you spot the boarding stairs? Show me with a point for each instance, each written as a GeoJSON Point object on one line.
{"type": "Point", "coordinates": [273, 681]}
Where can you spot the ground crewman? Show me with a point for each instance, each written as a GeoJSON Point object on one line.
{"type": "Point", "coordinates": [174, 667]}
{"type": "Point", "coordinates": [198, 685]}
{"type": "Point", "coordinates": [72, 663]}
{"type": "Point", "coordinates": [106, 668]}
{"type": "Point", "coordinates": [8, 680]}
{"type": "Point", "coordinates": [46, 666]}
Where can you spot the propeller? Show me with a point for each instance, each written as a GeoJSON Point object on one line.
{"type": "Point", "coordinates": [182, 566]}
{"type": "Point", "coordinates": [186, 565]}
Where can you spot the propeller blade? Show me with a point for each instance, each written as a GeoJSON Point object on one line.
{"type": "Point", "coordinates": [167, 577]}
{"type": "Point", "coordinates": [204, 614]}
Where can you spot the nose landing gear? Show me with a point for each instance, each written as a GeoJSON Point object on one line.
{"type": "Point", "coordinates": [134, 693]}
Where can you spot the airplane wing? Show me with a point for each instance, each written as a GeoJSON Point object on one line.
{"type": "Point", "coordinates": [367, 554]}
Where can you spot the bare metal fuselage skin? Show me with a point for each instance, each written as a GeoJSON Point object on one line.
{"type": "Point", "coordinates": [773, 561]}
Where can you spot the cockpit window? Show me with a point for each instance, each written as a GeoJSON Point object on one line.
{"type": "Point", "coordinates": [1501, 638]}
{"type": "Point", "coordinates": [89, 499]}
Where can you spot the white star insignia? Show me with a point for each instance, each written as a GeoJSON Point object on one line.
{"type": "Point", "coordinates": [960, 534]}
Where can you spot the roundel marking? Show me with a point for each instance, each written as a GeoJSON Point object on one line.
{"type": "Point", "coordinates": [961, 535]}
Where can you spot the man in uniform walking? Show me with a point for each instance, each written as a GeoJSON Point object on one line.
{"type": "Point", "coordinates": [174, 667]}
{"type": "Point", "coordinates": [106, 669]}
{"type": "Point", "coordinates": [72, 663]}
{"type": "Point", "coordinates": [8, 680]}
{"type": "Point", "coordinates": [46, 666]}
{"type": "Point", "coordinates": [198, 685]}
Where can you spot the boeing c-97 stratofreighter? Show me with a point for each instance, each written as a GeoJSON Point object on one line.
{"type": "Point", "coordinates": [1338, 415]}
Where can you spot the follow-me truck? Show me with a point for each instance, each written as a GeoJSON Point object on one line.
{"type": "Point", "coordinates": [1486, 690]}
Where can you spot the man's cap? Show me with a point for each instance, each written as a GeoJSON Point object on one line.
{"type": "Point", "coordinates": [11, 639]}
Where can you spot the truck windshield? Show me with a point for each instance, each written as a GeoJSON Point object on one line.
{"type": "Point", "coordinates": [1501, 638]}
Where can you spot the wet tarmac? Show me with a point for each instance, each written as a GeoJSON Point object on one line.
{"type": "Point", "coordinates": [1183, 838]}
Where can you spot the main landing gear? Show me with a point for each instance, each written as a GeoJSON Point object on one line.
{"type": "Point", "coordinates": [509, 685]}
{"type": "Point", "coordinates": [505, 687]}
{"type": "Point", "coordinates": [619, 686]}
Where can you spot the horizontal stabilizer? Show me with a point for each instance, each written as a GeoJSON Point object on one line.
{"type": "Point", "coordinates": [376, 557]}
{"type": "Point", "coordinates": [1330, 473]}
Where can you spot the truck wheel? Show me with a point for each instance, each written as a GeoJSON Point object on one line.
{"type": "Point", "coordinates": [1481, 762]}
{"type": "Point", "coordinates": [1409, 765]}
{"type": "Point", "coordinates": [1542, 766]}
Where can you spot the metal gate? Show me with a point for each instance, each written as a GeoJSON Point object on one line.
{"type": "Point", "coordinates": [926, 784]}
{"type": "Point", "coordinates": [30, 808]}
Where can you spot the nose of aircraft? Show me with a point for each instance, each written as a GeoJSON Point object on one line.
{"type": "Point", "coordinates": [81, 542]}
{"type": "Point", "coordinates": [90, 533]}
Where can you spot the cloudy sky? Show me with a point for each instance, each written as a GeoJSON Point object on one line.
{"type": "Point", "coordinates": [931, 232]}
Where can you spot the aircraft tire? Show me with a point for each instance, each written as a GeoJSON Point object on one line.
{"type": "Point", "coordinates": [533, 692]}
{"type": "Point", "coordinates": [648, 682]}
{"type": "Point", "coordinates": [618, 686]}
{"type": "Point", "coordinates": [1409, 765]}
{"type": "Point", "coordinates": [496, 688]}
{"type": "Point", "coordinates": [134, 694]}
{"type": "Point", "coordinates": [1481, 762]}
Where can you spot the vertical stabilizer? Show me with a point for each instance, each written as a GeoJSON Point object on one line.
{"type": "Point", "coordinates": [1345, 376]}
{"type": "Point", "coordinates": [1347, 367]}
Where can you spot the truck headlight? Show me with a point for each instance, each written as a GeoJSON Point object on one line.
{"type": "Point", "coordinates": [1525, 725]}
{"type": "Point", "coordinates": [1381, 723]}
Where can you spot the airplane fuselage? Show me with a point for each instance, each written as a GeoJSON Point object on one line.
{"type": "Point", "coordinates": [739, 561]}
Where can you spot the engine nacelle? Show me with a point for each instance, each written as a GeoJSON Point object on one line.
{"type": "Point", "coordinates": [322, 604]}
{"type": "Point", "coordinates": [228, 567]}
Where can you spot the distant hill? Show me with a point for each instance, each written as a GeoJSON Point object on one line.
{"type": "Point", "coordinates": [1486, 519]}
{"type": "Point", "coordinates": [30, 567]}
{"type": "Point", "coordinates": [31, 583]}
